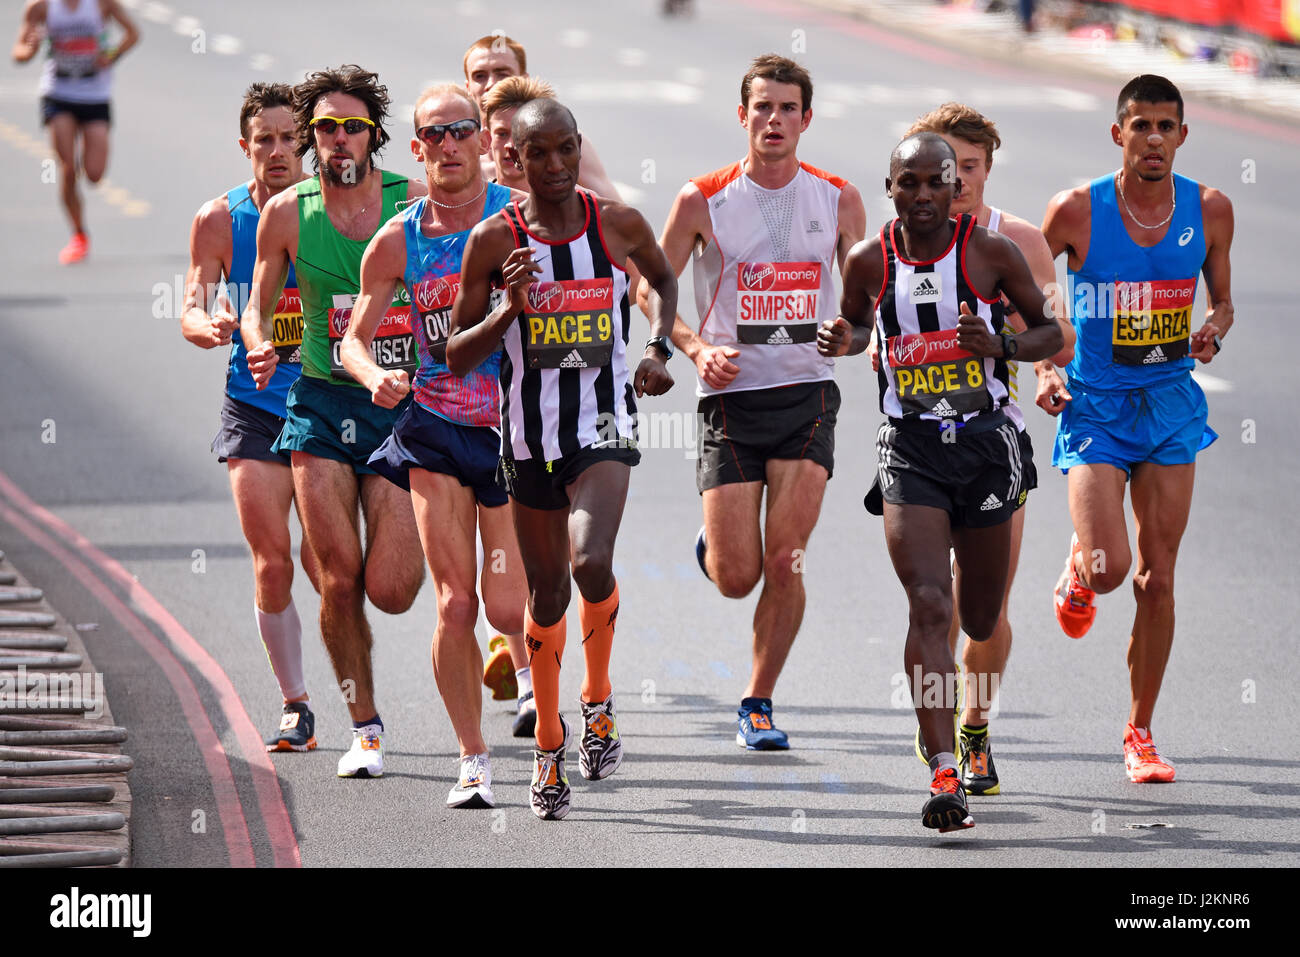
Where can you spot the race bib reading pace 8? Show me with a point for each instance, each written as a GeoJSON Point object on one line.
{"type": "Point", "coordinates": [569, 324]}
{"type": "Point", "coordinates": [934, 374]}
{"type": "Point", "coordinates": [286, 334]}
{"type": "Point", "coordinates": [393, 346]}
{"type": "Point", "coordinates": [1153, 321]}
{"type": "Point", "coordinates": [433, 300]}
{"type": "Point", "coordinates": [776, 303]}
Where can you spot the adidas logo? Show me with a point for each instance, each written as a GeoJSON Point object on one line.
{"type": "Point", "coordinates": [926, 287]}
{"type": "Point", "coordinates": [1155, 355]}
{"type": "Point", "coordinates": [780, 337]}
{"type": "Point", "coordinates": [990, 503]}
{"type": "Point", "coordinates": [573, 361]}
{"type": "Point", "coordinates": [944, 410]}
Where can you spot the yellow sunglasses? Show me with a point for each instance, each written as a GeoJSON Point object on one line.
{"type": "Point", "coordinates": [351, 124]}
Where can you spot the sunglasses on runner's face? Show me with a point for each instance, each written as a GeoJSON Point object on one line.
{"type": "Point", "coordinates": [351, 124]}
{"type": "Point", "coordinates": [461, 130]}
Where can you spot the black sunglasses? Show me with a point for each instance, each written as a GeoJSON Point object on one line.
{"type": "Point", "coordinates": [352, 125]}
{"type": "Point", "coordinates": [461, 130]}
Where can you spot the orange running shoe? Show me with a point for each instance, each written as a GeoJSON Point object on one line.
{"type": "Point", "coordinates": [1075, 611]}
{"type": "Point", "coordinates": [77, 249]}
{"type": "Point", "coordinates": [499, 672]}
{"type": "Point", "coordinates": [1142, 760]}
{"type": "Point", "coordinates": [946, 809]}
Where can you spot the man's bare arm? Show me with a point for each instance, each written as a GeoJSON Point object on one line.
{"type": "Point", "coordinates": [112, 9]}
{"type": "Point", "coordinates": [850, 332]}
{"type": "Point", "coordinates": [277, 246]}
{"type": "Point", "coordinates": [30, 31]}
{"type": "Point", "coordinates": [852, 219]}
{"type": "Point", "coordinates": [210, 251]}
{"type": "Point", "coordinates": [1042, 336]}
{"type": "Point", "coordinates": [382, 266]}
{"type": "Point", "coordinates": [474, 333]}
{"type": "Point", "coordinates": [1217, 215]}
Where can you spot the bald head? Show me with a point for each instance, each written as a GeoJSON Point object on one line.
{"type": "Point", "coordinates": [921, 148]}
{"type": "Point", "coordinates": [550, 115]}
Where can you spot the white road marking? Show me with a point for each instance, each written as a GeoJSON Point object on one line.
{"type": "Point", "coordinates": [630, 56]}
{"type": "Point", "coordinates": [261, 62]}
{"type": "Point", "coordinates": [1211, 383]}
{"type": "Point", "coordinates": [186, 26]}
{"type": "Point", "coordinates": [631, 91]}
{"type": "Point", "coordinates": [575, 38]}
{"type": "Point", "coordinates": [226, 45]}
{"type": "Point", "coordinates": [157, 12]}
{"type": "Point", "coordinates": [691, 74]}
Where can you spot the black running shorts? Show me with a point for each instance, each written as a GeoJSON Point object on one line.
{"type": "Point", "coordinates": [741, 431]}
{"type": "Point", "coordinates": [977, 477]}
{"type": "Point", "coordinates": [248, 432]}
{"type": "Point", "coordinates": [542, 485]}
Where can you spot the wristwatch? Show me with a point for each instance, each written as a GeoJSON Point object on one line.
{"type": "Point", "coordinates": [1009, 346]}
{"type": "Point", "coordinates": [1218, 345]}
{"type": "Point", "coordinates": [663, 344]}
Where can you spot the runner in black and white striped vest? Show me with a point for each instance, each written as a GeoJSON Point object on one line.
{"type": "Point", "coordinates": [568, 441]}
{"type": "Point", "coordinates": [949, 465]}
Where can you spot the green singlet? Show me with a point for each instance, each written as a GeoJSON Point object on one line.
{"type": "Point", "coordinates": [329, 276]}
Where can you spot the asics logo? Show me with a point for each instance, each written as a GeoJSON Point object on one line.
{"type": "Point", "coordinates": [1186, 237]}
{"type": "Point", "coordinates": [1085, 443]}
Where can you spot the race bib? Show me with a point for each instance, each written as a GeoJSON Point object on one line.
{"type": "Point", "coordinates": [569, 324]}
{"type": "Point", "coordinates": [286, 334]}
{"type": "Point", "coordinates": [74, 57]}
{"type": "Point", "coordinates": [933, 374]}
{"type": "Point", "coordinates": [776, 303]}
{"type": "Point", "coordinates": [1153, 321]}
{"type": "Point", "coordinates": [393, 346]}
{"type": "Point", "coordinates": [431, 307]}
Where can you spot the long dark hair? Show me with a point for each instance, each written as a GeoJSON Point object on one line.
{"type": "Point", "coordinates": [352, 80]}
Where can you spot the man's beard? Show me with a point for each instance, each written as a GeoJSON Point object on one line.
{"type": "Point", "coordinates": [350, 176]}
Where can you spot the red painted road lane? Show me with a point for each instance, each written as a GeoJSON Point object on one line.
{"type": "Point", "coordinates": [20, 511]}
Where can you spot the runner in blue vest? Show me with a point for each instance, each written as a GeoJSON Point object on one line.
{"type": "Point", "coordinates": [223, 246]}
{"type": "Point", "coordinates": [1137, 241]}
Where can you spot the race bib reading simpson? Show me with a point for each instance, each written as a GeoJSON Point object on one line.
{"type": "Point", "coordinates": [286, 332]}
{"type": "Point", "coordinates": [776, 303]}
{"type": "Point", "coordinates": [569, 324]}
{"type": "Point", "coordinates": [74, 57]}
{"type": "Point", "coordinates": [393, 346]}
{"type": "Point", "coordinates": [933, 374]}
{"type": "Point", "coordinates": [1153, 321]}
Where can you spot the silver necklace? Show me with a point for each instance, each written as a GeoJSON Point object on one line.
{"type": "Point", "coordinates": [459, 205]}
{"type": "Point", "coordinates": [1173, 203]}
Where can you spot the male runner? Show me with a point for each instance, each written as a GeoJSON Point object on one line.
{"type": "Point", "coordinates": [950, 467]}
{"type": "Point", "coordinates": [491, 59]}
{"type": "Point", "coordinates": [223, 246]}
{"type": "Point", "coordinates": [444, 447]}
{"type": "Point", "coordinates": [973, 137]}
{"type": "Point", "coordinates": [321, 228]}
{"type": "Point", "coordinates": [767, 234]}
{"type": "Point", "coordinates": [76, 85]}
{"type": "Point", "coordinates": [567, 413]}
{"type": "Point", "coordinates": [1137, 240]}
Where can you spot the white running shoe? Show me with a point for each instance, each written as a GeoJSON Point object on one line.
{"type": "Point", "coordinates": [365, 759]}
{"type": "Point", "coordinates": [474, 789]}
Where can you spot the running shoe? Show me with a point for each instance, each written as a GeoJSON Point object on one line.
{"type": "Point", "coordinates": [946, 810]}
{"type": "Point", "coordinates": [922, 754]}
{"type": "Point", "coordinates": [755, 727]}
{"type": "Point", "coordinates": [365, 759]}
{"type": "Point", "coordinates": [600, 751]}
{"type": "Point", "coordinates": [1075, 611]}
{"type": "Point", "coordinates": [499, 672]}
{"type": "Point", "coordinates": [474, 789]}
{"type": "Point", "coordinates": [1142, 760]}
{"type": "Point", "coordinates": [525, 717]}
{"type": "Point", "coordinates": [700, 548]}
{"type": "Point", "coordinates": [297, 729]}
{"type": "Point", "coordinates": [975, 755]}
{"type": "Point", "coordinates": [549, 792]}
{"type": "Point", "coordinates": [78, 248]}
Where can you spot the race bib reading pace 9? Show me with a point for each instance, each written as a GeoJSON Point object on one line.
{"type": "Point", "coordinates": [776, 303]}
{"type": "Point", "coordinates": [569, 324]}
{"type": "Point", "coordinates": [393, 346]}
{"type": "Point", "coordinates": [1153, 321]}
{"type": "Point", "coordinates": [934, 374]}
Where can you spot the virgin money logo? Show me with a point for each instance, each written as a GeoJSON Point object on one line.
{"type": "Point", "coordinates": [910, 350]}
{"type": "Point", "coordinates": [339, 320]}
{"type": "Point", "coordinates": [435, 293]}
{"type": "Point", "coordinates": [545, 296]}
{"type": "Point", "coordinates": [758, 276]}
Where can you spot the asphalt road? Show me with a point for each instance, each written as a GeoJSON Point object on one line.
{"type": "Point", "coordinates": [93, 359]}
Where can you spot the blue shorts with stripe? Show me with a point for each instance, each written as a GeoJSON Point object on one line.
{"type": "Point", "coordinates": [1164, 426]}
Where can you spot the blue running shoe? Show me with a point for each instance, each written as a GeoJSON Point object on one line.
{"type": "Point", "coordinates": [700, 548]}
{"type": "Point", "coordinates": [756, 732]}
